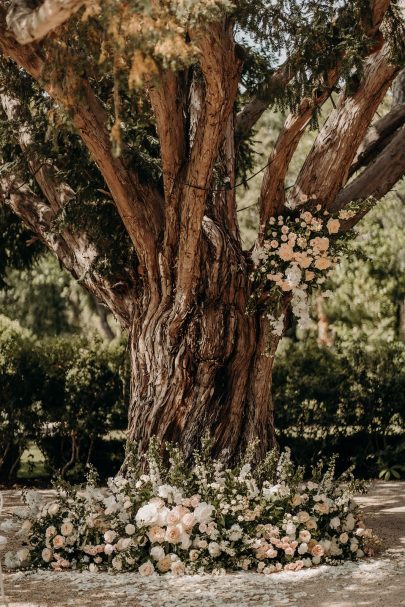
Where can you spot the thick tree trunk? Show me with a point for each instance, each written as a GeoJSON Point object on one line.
{"type": "Point", "coordinates": [217, 376]}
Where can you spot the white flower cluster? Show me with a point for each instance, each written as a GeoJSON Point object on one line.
{"type": "Point", "coordinates": [213, 519]}
{"type": "Point", "coordinates": [295, 257]}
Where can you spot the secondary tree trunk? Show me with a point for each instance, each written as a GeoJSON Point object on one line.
{"type": "Point", "coordinates": [216, 375]}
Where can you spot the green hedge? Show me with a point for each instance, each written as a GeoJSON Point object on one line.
{"type": "Point", "coordinates": [347, 401]}
{"type": "Point", "coordinates": [65, 395]}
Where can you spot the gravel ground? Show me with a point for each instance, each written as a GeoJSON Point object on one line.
{"type": "Point", "coordinates": [372, 582]}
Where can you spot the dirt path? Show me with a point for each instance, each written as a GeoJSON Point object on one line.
{"type": "Point", "coordinates": [369, 583]}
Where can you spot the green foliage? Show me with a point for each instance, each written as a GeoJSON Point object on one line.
{"type": "Point", "coordinates": [348, 400]}
{"type": "Point", "coordinates": [314, 37]}
{"type": "Point", "coordinates": [65, 394]}
{"type": "Point", "coordinates": [16, 248]}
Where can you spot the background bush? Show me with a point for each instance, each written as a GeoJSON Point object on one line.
{"type": "Point", "coordinates": [347, 400]}
{"type": "Point", "coordinates": [67, 396]}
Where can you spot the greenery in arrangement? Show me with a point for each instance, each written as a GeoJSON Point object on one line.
{"type": "Point", "coordinates": [205, 518]}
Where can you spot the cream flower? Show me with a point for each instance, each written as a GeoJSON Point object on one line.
{"type": "Point", "coordinates": [214, 549]}
{"type": "Point", "coordinates": [296, 500]}
{"type": "Point", "coordinates": [343, 538]}
{"type": "Point", "coordinates": [23, 555]}
{"type": "Point", "coordinates": [117, 563]}
{"type": "Point", "coordinates": [164, 564]}
{"type": "Point", "coordinates": [50, 531]}
{"type": "Point", "coordinates": [303, 516]}
{"type": "Point", "coordinates": [173, 535]}
{"type": "Point", "coordinates": [156, 534]}
{"type": "Point", "coordinates": [304, 535]}
{"type": "Point", "coordinates": [317, 550]}
{"type": "Point", "coordinates": [146, 569]}
{"type": "Point", "coordinates": [333, 226]}
{"type": "Point", "coordinates": [109, 536]}
{"type": "Point", "coordinates": [188, 520]}
{"type": "Point", "coordinates": [58, 541]}
{"type": "Point", "coordinates": [157, 553]}
{"type": "Point", "coordinates": [53, 509]}
{"type": "Point", "coordinates": [172, 517]}
{"type": "Point", "coordinates": [47, 555]}
{"type": "Point", "coordinates": [323, 263]}
{"type": "Point", "coordinates": [130, 529]}
{"type": "Point", "coordinates": [109, 548]}
{"type": "Point", "coordinates": [177, 568]}
{"type": "Point", "coordinates": [203, 512]}
{"type": "Point", "coordinates": [66, 528]}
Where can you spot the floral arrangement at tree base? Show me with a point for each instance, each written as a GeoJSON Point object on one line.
{"type": "Point", "coordinates": [205, 518]}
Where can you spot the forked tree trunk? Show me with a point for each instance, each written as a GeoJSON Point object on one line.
{"type": "Point", "coordinates": [216, 377]}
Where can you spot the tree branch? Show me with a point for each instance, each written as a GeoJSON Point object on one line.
{"type": "Point", "coordinates": [30, 24]}
{"type": "Point", "coordinates": [139, 206]}
{"type": "Point", "coordinates": [377, 137]}
{"type": "Point", "coordinates": [254, 109]}
{"type": "Point", "coordinates": [77, 259]}
{"type": "Point", "coordinates": [221, 71]}
{"type": "Point", "coordinates": [272, 195]}
{"type": "Point", "coordinates": [326, 168]}
{"type": "Point", "coordinates": [377, 179]}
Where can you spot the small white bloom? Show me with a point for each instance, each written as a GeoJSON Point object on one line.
{"type": "Point", "coordinates": [130, 529]}
{"type": "Point", "coordinates": [109, 536]}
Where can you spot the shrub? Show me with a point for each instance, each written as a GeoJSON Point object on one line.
{"type": "Point", "coordinates": [65, 394]}
{"type": "Point", "coordinates": [350, 402]}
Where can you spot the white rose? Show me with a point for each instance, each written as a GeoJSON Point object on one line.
{"type": "Point", "coordinates": [93, 568]}
{"type": "Point", "coordinates": [303, 548]}
{"type": "Point", "coordinates": [343, 538]}
{"type": "Point", "coordinates": [214, 549]}
{"type": "Point", "coordinates": [123, 543]}
{"type": "Point", "coordinates": [203, 512]}
{"type": "Point", "coordinates": [109, 549]}
{"type": "Point", "coordinates": [130, 529]}
{"type": "Point", "coordinates": [334, 522]}
{"type": "Point", "coordinates": [303, 517]}
{"type": "Point", "coordinates": [146, 569]}
{"type": "Point", "coordinates": [349, 523]}
{"type": "Point", "coordinates": [188, 520]}
{"type": "Point", "coordinates": [157, 553]}
{"type": "Point", "coordinates": [304, 536]}
{"type": "Point", "coordinates": [290, 528]}
{"type": "Point", "coordinates": [235, 533]}
{"type": "Point", "coordinates": [185, 541]}
{"type": "Point", "coordinates": [173, 535]}
{"type": "Point", "coordinates": [147, 515]}
{"type": "Point", "coordinates": [109, 536]}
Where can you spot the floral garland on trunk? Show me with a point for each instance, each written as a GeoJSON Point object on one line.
{"type": "Point", "coordinates": [294, 258]}
{"type": "Point", "coordinates": [207, 518]}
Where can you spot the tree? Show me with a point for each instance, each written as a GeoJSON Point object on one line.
{"type": "Point", "coordinates": [125, 134]}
